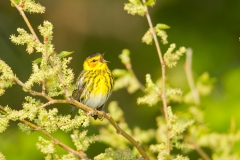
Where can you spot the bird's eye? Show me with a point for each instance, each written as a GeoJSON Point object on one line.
{"type": "Point", "coordinates": [94, 60]}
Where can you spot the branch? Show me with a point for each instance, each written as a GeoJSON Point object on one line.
{"type": "Point", "coordinates": [201, 152]}
{"type": "Point", "coordinates": [114, 124]}
{"type": "Point", "coordinates": [102, 114]}
{"type": "Point", "coordinates": [188, 70]}
{"type": "Point", "coordinates": [34, 93]}
{"type": "Point", "coordinates": [129, 68]}
{"type": "Point", "coordinates": [163, 93]}
{"type": "Point", "coordinates": [56, 141]}
{"type": "Point", "coordinates": [57, 101]}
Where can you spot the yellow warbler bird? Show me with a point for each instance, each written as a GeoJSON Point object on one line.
{"type": "Point", "coordinates": [94, 84]}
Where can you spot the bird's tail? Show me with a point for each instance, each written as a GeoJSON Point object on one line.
{"type": "Point", "coordinates": [72, 109]}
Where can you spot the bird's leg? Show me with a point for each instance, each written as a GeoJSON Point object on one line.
{"type": "Point", "coordinates": [102, 117]}
{"type": "Point", "coordinates": [93, 113]}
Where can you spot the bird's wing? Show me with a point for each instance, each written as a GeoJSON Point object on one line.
{"type": "Point", "coordinates": [76, 94]}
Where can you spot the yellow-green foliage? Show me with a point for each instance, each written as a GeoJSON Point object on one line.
{"type": "Point", "coordinates": [181, 132]}
{"type": "Point", "coordinates": [6, 77]}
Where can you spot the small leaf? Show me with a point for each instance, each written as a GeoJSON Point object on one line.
{"type": "Point", "coordinates": [162, 26]}
{"type": "Point", "coordinates": [160, 31]}
{"type": "Point", "coordinates": [150, 3]}
{"type": "Point", "coordinates": [16, 1]}
{"type": "Point", "coordinates": [64, 54]}
{"type": "Point", "coordinates": [119, 72]}
{"type": "Point", "coordinates": [38, 60]}
{"type": "Point", "coordinates": [125, 56]}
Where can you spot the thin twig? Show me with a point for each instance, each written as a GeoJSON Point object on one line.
{"type": "Point", "coordinates": [201, 152]}
{"type": "Point", "coordinates": [34, 93]}
{"type": "Point", "coordinates": [129, 68]}
{"type": "Point", "coordinates": [44, 87]}
{"type": "Point", "coordinates": [188, 70]}
{"type": "Point", "coordinates": [163, 92]}
{"type": "Point", "coordinates": [55, 101]}
{"type": "Point", "coordinates": [2, 108]}
{"type": "Point", "coordinates": [25, 19]}
{"type": "Point", "coordinates": [56, 141]}
{"type": "Point", "coordinates": [44, 56]}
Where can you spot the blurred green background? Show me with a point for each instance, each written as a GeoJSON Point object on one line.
{"type": "Point", "coordinates": [210, 27]}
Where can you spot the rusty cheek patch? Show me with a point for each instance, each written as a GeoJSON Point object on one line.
{"type": "Point", "coordinates": [91, 64]}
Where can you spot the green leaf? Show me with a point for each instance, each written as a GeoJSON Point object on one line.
{"type": "Point", "coordinates": [64, 54]}
{"type": "Point", "coordinates": [150, 3]}
{"type": "Point", "coordinates": [161, 26]}
{"type": "Point", "coordinates": [37, 60]}
{"type": "Point", "coordinates": [16, 1]}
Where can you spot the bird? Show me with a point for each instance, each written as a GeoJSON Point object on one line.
{"type": "Point", "coordinates": [95, 83]}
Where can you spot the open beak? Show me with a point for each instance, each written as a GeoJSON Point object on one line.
{"type": "Point", "coordinates": [102, 60]}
